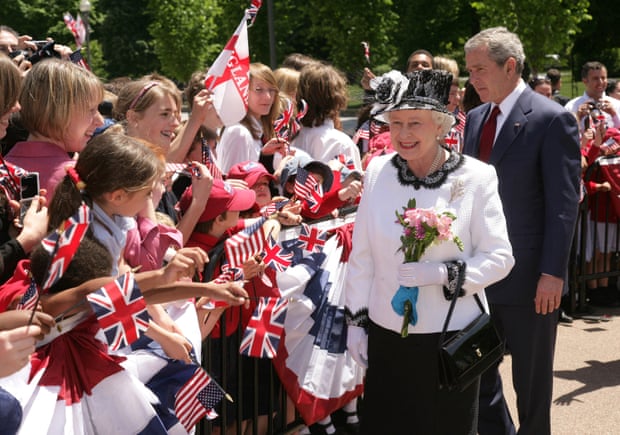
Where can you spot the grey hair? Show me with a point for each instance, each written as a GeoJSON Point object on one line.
{"type": "Point", "coordinates": [501, 43]}
{"type": "Point", "coordinates": [444, 121]}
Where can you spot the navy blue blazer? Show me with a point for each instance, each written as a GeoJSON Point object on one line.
{"type": "Point", "coordinates": [538, 163]}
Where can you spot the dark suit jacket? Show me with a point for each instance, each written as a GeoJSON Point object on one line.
{"type": "Point", "coordinates": [537, 159]}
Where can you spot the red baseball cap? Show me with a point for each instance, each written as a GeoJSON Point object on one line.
{"type": "Point", "coordinates": [223, 198]}
{"type": "Point", "coordinates": [250, 172]}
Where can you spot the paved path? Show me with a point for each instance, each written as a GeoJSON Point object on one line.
{"type": "Point", "coordinates": [586, 387]}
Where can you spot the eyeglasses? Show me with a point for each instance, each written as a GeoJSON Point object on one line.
{"type": "Point", "coordinates": [263, 91]}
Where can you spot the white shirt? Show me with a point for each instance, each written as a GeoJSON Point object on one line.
{"type": "Point", "coordinates": [573, 106]}
{"type": "Point", "coordinates": [238, 145]}
{"type": "Point", "coordinates": [372, 274]}
{"type": "Point", "coordinates": [325, 143]}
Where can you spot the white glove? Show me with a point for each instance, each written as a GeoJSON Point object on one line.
{"type": "Point", "coordinates": [419, 274]}
{"type": "Point", "coordinates": [357, 345]}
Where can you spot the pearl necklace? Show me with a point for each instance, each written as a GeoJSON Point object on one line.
{"type": "Point", "coordinates": [436, 162]}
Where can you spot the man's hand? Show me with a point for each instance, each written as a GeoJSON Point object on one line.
{"type": "Point", "coordinates": [548, 294]}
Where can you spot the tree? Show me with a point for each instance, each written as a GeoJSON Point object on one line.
{"type": "Point", "coordinates": [547, 27]}
{"type": "Point", "coordinates": [183, 33]}
{"type": "Point", "coordinates": [125, 41]}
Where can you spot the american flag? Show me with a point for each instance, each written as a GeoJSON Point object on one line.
{"type": "Point", "coordinates": [29, 299]}
{"type": "Point", "coordinates": [312, 238]}
{"type": "Point", "coordinates": [378, 127]}
{"type": "Point", "coordinates": [245, 244]}
{"type": "Point", "coordinates": [196, 399]}
{"type": "Point", "coordinates": [262, 335]}
{"type": "Point", "coordinates": [77, 58]}
{"type": "Point", "coordinates": [362, 133]}
{"type": "Point", "coordinates": [308, 188]}
{"type": "Point", "coordinates": [63, 243]}
{"type": "Point", "coordinates": [209, 161]}
{"type": "Point", "coordinates": [120, 310]}
{"type": "Point", "coordinates": [229, 274]}
{"type": "Point", "coordinates": [276, 257]}
{"type": "Point", "coordinates": [273, 207]}
{"type": "Point", "coordinates": [77, 28]}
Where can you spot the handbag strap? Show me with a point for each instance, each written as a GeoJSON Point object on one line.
{"type": "Point", "coordinates": [459, 284]}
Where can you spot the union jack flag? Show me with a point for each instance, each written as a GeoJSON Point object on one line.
{"type": "Point", "coordinates": [229, 274]}
{"type": "Point", "coordinates": [120, 310]}
{"type": "Point", "coordinates": [276, 257]}
{"type": "Point", "coordinates": [245, 244]}
{"type": "Point", "coordinates": [262, 335]}
{"type": "Point", "coordinates": [29, 299]}
{"type": "Point", "coordinates": [366, 47]}
{"type": "Point", "coordinates": [63, 243]}
{"type": "Point", "coordinates": [282, 122]}
{"type": "Point", "coordinates": [9, 179]}
{"type": "Point", "coordinates": [196, 399]}
{"type": "Point", "coordinates": [253, 10]}
{"type": "Point", "coordinates": [346, 161]}
{"type": "Point", "coordinates": [308, 188]}
{"type": "Point", "coordinates": [209, 161]}
{"type": "Point", "coordinates": [453, 140]}
{"type": "Point", "coordinates": [312, 238]}
{"type": "Point", "coordinates": [296, 125]}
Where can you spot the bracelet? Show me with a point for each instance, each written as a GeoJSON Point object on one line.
{"type": "Point", "coordinates": [456, 278]}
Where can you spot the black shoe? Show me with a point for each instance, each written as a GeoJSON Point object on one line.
{"type": "Point", "coordinates": [565, 318]}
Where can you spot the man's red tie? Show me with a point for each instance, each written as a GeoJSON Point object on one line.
{"type": "Point", "coordinates": [488, 135]}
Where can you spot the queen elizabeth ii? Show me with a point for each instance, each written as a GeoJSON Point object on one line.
{"type": "Point", "coordinates": [402, 394]}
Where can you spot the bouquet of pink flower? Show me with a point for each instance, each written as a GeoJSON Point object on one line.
{"type": "Point", "coordinates": [422, 228]}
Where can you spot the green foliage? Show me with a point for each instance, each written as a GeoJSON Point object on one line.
{"type": "Point", "coordinates": [547, 27]}
{"type": "Point", "coordinates": [183, 31]}
{"type": "Point", "coordinates": [126, 44]}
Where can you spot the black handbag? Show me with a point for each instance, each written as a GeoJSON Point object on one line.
{"type": "Point", "coordinates": [464, 356]}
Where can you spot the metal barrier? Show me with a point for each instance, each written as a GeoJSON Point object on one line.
{"type": "Point", "coordinates": [596, 242]}
{"type": "Point", "coordinates": [221, 359]}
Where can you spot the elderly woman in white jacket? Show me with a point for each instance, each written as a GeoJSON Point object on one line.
{"type": "Point", "coordinates": [401, 391]}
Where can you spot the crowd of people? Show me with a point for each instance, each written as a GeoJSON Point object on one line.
{"type": "Point", "coordinates": [159, 191]}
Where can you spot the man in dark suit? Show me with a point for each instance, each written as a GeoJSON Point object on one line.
{"type": "Point", "coordinates": [534, 146]}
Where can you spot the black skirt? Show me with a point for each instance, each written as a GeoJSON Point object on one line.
{"type": "Point", "coordinates": [401, 394]}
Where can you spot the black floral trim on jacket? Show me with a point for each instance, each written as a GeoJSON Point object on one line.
{"type": "Point", "coordinates": [456, 278]}
{"type": "Point", "coordinates": [360, 318]}
{"type": "Point", "coordinates": [431, 181]}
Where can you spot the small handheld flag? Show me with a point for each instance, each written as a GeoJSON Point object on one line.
{"type": "Point", "coordinates": [262, 335]}
{"type": "Point", "coordinates": [121, 311]}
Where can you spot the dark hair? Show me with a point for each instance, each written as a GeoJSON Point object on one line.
{"type": "Point", "coordinates": [554, 75]}
{"type": "Point", "coordinates": [324, 88]}
{"type": "Point", "coordinates": [611, 86]}
{"type": "Point", "coordinates": [470, 98]}
{"type": "Point", "coordinates": [194, 86]}
{"type": "Point", "coordinates": [538, 81]}
{"type": "Point", "coordinates": [91, 260]}
{"type": "Point", "coordinates": [109, 162]}
{"type": "Point", "coordinates": [297, 61]}
{"type": "Point", "coordinates": [588, 66]}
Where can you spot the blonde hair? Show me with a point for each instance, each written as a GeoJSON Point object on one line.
{"type": "Point", "coordinates": [263, 72]}
{"type": "Point", "coordinates": [139, 95]}
{"type": "Point", "coordinates": [447, 64]}
{"type": "Point", "coordinates": [53, 92]}
{"type": "Point", "coordinates": [10, 84]}
{"type": "Point", "coordinates": [288, 81]}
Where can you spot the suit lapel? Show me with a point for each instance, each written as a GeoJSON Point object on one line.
{"type": "Point", "coordinates": [512, 127]}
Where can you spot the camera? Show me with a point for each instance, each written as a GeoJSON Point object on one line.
{"type": "Point", "coordinates": [595, 105]}
{"type": "Point", "coordinates": [29, 188]}
{"type": "Point", "coordinates": [45, 49]}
